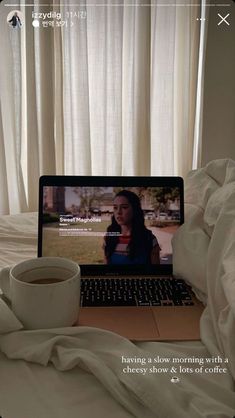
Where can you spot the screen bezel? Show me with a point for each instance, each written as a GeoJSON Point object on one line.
{"type": "Point", "coordinates": [109, 181]}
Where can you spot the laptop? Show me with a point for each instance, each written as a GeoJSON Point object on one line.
{"type": "Point", "coordinates": [119, 230]}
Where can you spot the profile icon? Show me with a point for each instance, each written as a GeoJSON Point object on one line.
{"type": "Point", "coordinates": [15, 19]}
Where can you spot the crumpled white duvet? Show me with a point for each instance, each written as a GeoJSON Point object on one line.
{"type": "Point", "coordinates": [78, 371]}
{"type": "Point", "coordinates": [204, 252]}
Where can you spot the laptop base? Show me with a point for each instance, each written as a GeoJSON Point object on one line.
{"type": "Point", "coordinates": [146, 323]}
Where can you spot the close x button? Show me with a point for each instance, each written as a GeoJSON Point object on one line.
{"type": "Point", "coordinates": [223, 19]}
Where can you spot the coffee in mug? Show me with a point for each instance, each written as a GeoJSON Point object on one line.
{"type": "Point", "coordinates": [46, 281]}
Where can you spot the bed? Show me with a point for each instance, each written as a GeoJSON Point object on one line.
{"type": "Point", "coordinates": [79, 371]}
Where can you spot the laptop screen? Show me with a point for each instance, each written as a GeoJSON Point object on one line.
{"type": "Point", "coordinates": [117, 226]}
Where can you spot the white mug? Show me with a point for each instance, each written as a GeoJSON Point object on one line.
{"type": "Point", "coordinates": [44, 292]}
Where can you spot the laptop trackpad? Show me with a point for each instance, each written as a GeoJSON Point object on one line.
{"type": "Point", "coordinates": [178, 322]}
{"type": "Point", "coordinates": [130, 322]}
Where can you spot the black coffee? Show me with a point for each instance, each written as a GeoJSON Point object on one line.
{"type": "Point", "coordinates": [46, 281]}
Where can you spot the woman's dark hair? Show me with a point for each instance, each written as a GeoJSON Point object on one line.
{"type": "Point", "coordinates": [140, 235]}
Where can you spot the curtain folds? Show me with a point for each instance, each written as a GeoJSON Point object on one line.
{"type": "Point", "coordinates": [115, 92]}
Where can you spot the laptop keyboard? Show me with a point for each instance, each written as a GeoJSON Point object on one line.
{"type": "Point", "coordinates": [135, 292]}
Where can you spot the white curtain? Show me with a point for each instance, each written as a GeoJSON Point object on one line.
{"type": "Point", "coordinates": [106, 91]}
{"type": "Point", "coordinates": [114, 94]}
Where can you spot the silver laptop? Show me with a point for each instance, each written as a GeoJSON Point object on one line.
{"type": "Point", "coordinates": [119, 230]}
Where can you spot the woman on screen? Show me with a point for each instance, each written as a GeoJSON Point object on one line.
{"type": "Point", "coordinates": [127, 240]}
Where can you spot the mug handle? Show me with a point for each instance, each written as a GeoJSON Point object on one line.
{"type": "Point", "coordinates": [5, 282]}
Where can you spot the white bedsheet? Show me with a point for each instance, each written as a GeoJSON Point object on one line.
{"type": "Point", "coordinates": [77, 372]}
{"type": "Point", "coordinates": [204, 253]}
